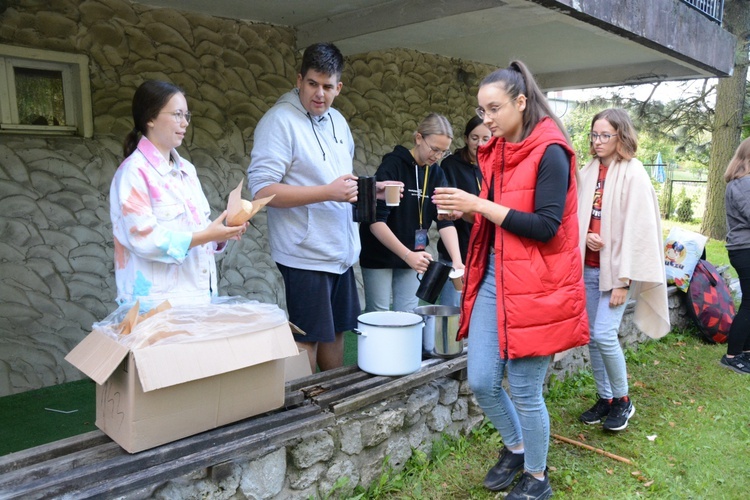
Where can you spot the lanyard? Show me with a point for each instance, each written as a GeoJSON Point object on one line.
{"type": "Point", "coordinates": [476, 177]}
{"type": "Point", "coordinates": [420, 203]}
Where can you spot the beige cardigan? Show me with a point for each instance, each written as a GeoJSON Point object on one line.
{"type": "Point", "coordinates": [631, 231]}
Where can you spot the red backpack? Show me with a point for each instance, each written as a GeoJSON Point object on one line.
{"type": "Point", "coordinates": [710, 303]}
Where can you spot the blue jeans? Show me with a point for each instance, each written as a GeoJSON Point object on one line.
{"type": "Point", "coordinates": [524, 419]}
{"type": "Point", "coordinates": [380, 283]}
{"type": "Point", "coordinates": [607, 358]}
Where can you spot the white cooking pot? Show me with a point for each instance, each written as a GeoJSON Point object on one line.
{"type": "Point", "coordinates": [389, 342]}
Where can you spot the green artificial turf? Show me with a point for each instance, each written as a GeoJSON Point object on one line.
{"type": "Point", "coordinates": [33, 418]}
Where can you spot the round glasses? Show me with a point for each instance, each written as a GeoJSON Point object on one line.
{"type": "Point", "coordinates": [603, 138]}
{"type": "Point", "coordinates": [179, 115]}
{"type": "Point", "coordinates": [481, 112]}
{"type": "Point", "coordinates": [442, 153]}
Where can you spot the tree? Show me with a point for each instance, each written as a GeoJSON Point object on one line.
{"type": "Point", "coordinates": [728, 119]}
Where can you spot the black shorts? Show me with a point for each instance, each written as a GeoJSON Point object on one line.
{"type": "Point", "coordinates": [321, 304]}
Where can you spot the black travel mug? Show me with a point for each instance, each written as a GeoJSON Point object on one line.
{"type": "Point", "coordinates": [433, 280]}
{"type": "Point", "coordinates": [364, 209]}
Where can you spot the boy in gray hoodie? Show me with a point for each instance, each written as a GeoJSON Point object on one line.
{"type": "Point", "coordinates": [302, 153]}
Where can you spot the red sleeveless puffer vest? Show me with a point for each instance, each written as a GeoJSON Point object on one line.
{"type": "Point", "coordinates": [541, 299]}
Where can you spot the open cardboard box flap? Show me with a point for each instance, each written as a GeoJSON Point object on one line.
{"type": "Point", "coordinates": [97, 356]}
{"type": "Point", "coordinates": [168, 364]}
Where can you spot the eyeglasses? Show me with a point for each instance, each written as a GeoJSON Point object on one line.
{"type": "Point", "coordinates": [603, 138]}
{"type": "Point", "coordinates": [440, 152]}
{"type": "Point", "coordinates": [481, 112]}
{"type": "Point", "coordinates": [179, 115]}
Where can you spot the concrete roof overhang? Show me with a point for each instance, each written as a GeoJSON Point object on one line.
{"type": "Point", "coordinates": [566, 43]}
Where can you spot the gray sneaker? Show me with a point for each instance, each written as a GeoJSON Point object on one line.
{"type": "Point", "coordinates": [739, 363]}
{"type": "Point", "coordinates": [596, 413]}
{"type": "Point", "coordinates": [530, 488]}
{"type": "Point", "coordinates": [506, 469]}
{"type": "Point", "coordinates": [622, 410]}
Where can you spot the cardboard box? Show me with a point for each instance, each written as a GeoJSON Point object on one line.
{"type": "Point", "coordinates": [297, 366]}
{"type": "Point", "coordinates": [154, 394]}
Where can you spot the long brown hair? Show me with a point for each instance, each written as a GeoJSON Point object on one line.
{"type": "Point", "coordinates": [515, 80]}
{"type": "Point", "coordinates": [620, 121]}
{"type": "Point", "coordinates": [739, 165]}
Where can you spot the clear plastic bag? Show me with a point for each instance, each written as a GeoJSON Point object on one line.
{"type": "Point", "coordinates": [222, 317]}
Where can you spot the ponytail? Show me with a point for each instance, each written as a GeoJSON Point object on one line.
{"type": "Point", "coordinates": [131, 143]}
{"type": "Point", "coordinates": [516, 79]}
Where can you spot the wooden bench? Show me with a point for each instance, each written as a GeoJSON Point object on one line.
{"type": "Point", "coordinates": [92, 465]}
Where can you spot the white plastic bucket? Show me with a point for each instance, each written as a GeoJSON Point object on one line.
{"type": "Point", "coordinates": [389, 343]}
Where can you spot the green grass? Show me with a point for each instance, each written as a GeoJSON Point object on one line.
{"type": "Point", "coordinates": [688, 438]}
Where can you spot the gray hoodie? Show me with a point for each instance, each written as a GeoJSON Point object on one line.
{"type": "Point", "coordinates": [292, 147]}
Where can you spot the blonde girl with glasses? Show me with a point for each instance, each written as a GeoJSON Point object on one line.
{"type": "Point", "coordinates": [523, 297]}
{"type": "Point", "coordinates": [621, 247]}
{"type": "Point", "coordinates": [165, 240]}
{"type": "Point", "coordinates": [394, 248]}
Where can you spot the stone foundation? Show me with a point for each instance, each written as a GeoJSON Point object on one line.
{"type": "Point", "coordinates": [352, 451]}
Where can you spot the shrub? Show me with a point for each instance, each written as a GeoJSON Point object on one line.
{"type": "Point", "coordinates": [685, 210]}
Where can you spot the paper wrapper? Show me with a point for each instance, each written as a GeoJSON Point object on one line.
{"type": "Point", "coordinates": [240, 211]}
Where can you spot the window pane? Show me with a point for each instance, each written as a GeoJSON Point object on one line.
{"type": "Point", "coordinates": [39, 94]}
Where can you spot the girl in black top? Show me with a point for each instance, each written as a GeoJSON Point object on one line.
{"type": "Point", "coordinates": [393, 247]}
{"type": "Point", "coordinates": [461, 171]}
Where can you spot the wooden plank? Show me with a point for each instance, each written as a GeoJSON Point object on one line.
{"type": "Point", "coordinates": [101, 481]}
{"type": "Point", "coordinates": [321, 377]}
{"type": "Point", "coordinates": [325, 400]}
{"type": "Point", "coordinates": [399, 385]}
{"type": "Point", "coordinates": [52, 450]}
{"type": "Point", "coordinates": [360, 381]}
{"type": "Point", "coordinates": [61, 464]}
{"type": "Point", "coordinates": [85, 466]}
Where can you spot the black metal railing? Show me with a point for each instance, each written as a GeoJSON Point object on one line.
{"type": "Point", "coordinates": [713, 9]}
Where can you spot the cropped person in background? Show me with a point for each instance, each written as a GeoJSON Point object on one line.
{"type": "Point", "coordinates": [737, 199]}
{"type": "Point", "coordinates": [394, 247]}
{"type": "Point", "coordinates": [165, 240]}
{"type": "Point", "coordinates": [524, 298]}
{"type": "Point", "coordinates": [461, 171]}
{"type": "Point", "coordinates": [621, 246]}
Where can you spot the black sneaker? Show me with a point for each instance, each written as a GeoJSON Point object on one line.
{"type": "Point", "coordinates": [739, 363]}
{"type": "Point", "coordinates": [503, 473]}
{"type": "Point", "coordinates": [621, 411]}
{"type": "Point", "coordinates": [596, 413]}
{"type": "Point", "coordinates": [530, 488]}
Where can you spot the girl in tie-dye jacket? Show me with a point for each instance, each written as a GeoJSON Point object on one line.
{"type": "Point", "coordinates": [164, 238]}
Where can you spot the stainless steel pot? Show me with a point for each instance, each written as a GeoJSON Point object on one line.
{"type": "Point", "coordinates": [440, 330]}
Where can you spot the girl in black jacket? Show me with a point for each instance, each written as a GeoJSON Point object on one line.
{"type": "Point", "coordinates": [393, 247]}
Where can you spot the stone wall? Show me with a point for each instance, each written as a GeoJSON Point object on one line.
{"type": "Point", "coordinates": [330, 462]}
{"type": "Point", "coordinates": [56, 274]}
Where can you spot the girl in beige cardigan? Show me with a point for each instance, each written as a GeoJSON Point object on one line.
{"type": "Point", "coordinates": [621, 245]}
